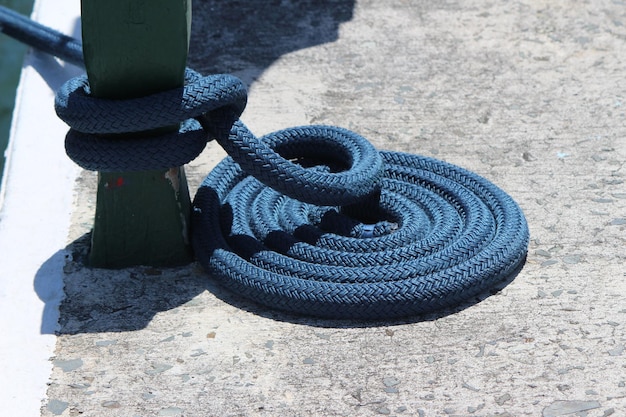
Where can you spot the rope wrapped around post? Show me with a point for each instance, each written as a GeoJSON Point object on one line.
{"type": "Point", "coordinates": [214, 104]}
{"type": "Point", "coordinates": [311, 220]}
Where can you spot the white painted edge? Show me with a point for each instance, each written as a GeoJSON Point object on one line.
{"type": "Point", "coordinates": [36, 203]}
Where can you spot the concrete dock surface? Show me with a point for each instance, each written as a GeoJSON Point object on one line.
{"type": "Point", "coordinates": [530, 94]}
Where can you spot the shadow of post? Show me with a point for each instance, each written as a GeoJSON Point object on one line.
{"type": "Point", "coordinates": [99, 300]}
{"type": "Point", "coordinates": [49, 288]}
{"type": "Point", "coordinates": [245, 37]}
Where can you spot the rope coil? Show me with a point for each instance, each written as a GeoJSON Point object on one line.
{"type": "Point", "coordinates": [311, 220]}
{"type": "Point", "coordinates": [453, 235]}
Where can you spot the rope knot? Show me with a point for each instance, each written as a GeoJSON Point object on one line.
{"type": "Point", "coordinates": [209, 107]}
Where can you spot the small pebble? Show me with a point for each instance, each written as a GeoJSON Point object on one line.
{"type": "Point", "coordinates": [57, 407]}
{"type": "Point", "coordinates": [198, 352]}
{"type": "Point", "coordinates": [617, 350]}
{"type": "Point", "coordinates": [69, 365]}
{"type": "Point", "coordinates": [158, 368]}
{"type": "Point", "coordinates": [111, 404]}
{"type": "Point", "coordinates": [171, 411]}
{"type": "Point", "coordinates": [106, 342]}
{"type": "Point", "coordinates": [503, 399]}
{"type": "Point", "coordinates": [572, 259]}
{"type": "Point", "coordinates": [390, 382]}
{"type": "Point", "coordinates": [561, 408]}
{"type": "Point", "coordinates": [602, 200]}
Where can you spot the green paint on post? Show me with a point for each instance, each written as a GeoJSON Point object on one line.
{"type": "Point", "coordinates": [133, 48]}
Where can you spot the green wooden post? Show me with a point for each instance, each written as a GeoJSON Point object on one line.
{"type": "Point", "coordinates": [133, 48]}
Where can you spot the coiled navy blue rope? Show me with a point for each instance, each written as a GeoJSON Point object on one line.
{"type": "Point", "coordinates": [311, 220]}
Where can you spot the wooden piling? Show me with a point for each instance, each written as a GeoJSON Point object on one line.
{"type": "Point", "coordinates": [133, 48]}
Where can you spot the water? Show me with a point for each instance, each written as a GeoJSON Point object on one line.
{"type": "Point", "coordinates": [11, 58]}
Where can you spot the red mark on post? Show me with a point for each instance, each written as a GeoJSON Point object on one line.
{"type": "Point", "coordinates": [119, 182]}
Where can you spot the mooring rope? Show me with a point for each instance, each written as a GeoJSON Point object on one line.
{"type": "Point", "coordinates": [311, 220]}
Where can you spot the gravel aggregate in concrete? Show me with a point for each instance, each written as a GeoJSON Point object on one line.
{"type": "Point", "coordinates": [528, 93]}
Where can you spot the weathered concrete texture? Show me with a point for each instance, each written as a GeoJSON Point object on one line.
{"type": "Point", "coordinates": [530, 94]}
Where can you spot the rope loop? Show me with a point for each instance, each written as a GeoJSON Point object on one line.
{"type": "Point", "coordinates": [323, 165]}
{"type": "Point", "coordinates": [94, 140]}
{"type": "Point", "coordinates": [76, 106]}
